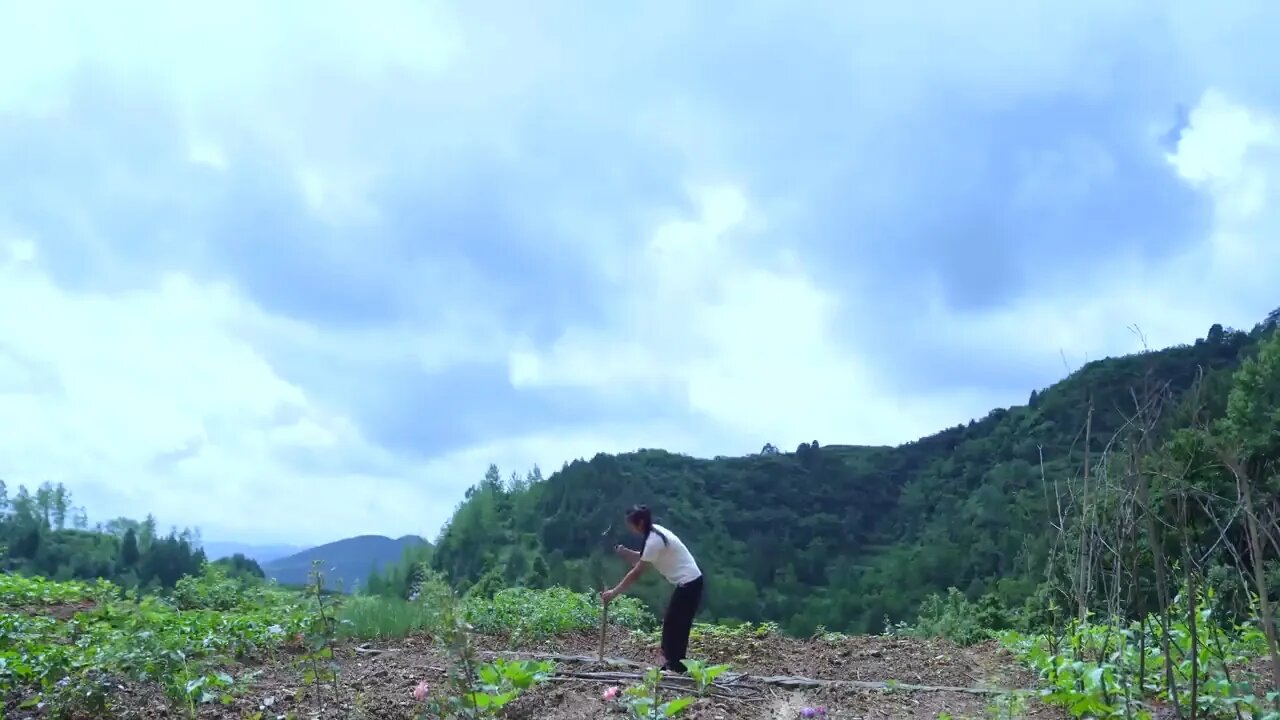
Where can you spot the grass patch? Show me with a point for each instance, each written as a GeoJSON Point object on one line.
{"type": "Point", "coordinates": [515, 612]}
{"type": "Point", "coordinates": [369, 617]}
{"type": "Point", "coordinates": [523, 613]}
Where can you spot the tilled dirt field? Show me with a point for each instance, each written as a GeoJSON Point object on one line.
{"type": "Point", "coordinates": [377, 680]}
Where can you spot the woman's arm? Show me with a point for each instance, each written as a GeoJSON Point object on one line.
{"type": "Point", "coordinates": [632, 575]}
{"type": "Point", "coordinates": [630, 556]}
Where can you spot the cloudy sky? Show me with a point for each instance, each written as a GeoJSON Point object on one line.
{"type": "Point", "coordinates": [293, 271]}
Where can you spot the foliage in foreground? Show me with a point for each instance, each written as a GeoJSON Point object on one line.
{"type": "Point", "coordinates": [1159, 597]}
{"type": "Point", "coordinates": [474, 690]}
{"type": "Point", "coordinates": [1162, 585]}
{"type": "Point", "coordinates": [184, 641]}
{"type": "Point", "coordinates": [21, 591]}
{"type": "Point", "coordinates": [1104, 670]}
{"type": "Point", "coordinates": [520, 614]}
{"type": "Point", "coordinates": [181, 645]}
{"type": "Point", "coordinates": [531, 614]}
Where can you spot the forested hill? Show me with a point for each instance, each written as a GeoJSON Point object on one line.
{"type": "Point", "coordinates": [839, 536]}
{"type": "Point", "coordinates": [346, 563]}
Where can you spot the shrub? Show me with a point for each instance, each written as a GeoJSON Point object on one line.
{"type": "Point", "coordinates": [955, 618]}
{"type": "Point", "coordinates": [538, 613]}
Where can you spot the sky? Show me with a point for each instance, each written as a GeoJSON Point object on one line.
{"type": "Point", "coordinates": [290, 271]}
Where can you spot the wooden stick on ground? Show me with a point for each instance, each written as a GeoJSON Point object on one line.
{"type": "Point", "coordinates": [604, 622]}
{"type": "Point", "coordinates": [604, 606]}
{"type": "Point", "coordinates": [732, 680]}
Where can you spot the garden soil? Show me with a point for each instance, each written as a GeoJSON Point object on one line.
{"type": "Point", "coordinates": [377, 679]}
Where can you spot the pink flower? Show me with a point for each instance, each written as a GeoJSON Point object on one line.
{"type": "Point", "coordinates": [611, 693]}
{"type": "Point", "coordinates": [421, 692]}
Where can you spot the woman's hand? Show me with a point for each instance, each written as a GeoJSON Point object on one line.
{"type": "Point", "coordinates": [629, 556]}
{"type": "Point", "coordinates": [607, 596]}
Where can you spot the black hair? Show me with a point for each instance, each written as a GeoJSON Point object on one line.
{"type": "Point", "coordinates": [640, 515]}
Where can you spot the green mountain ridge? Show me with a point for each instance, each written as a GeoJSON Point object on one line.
{"type": "Point", "coordinates": [841, 536]}
{"type": "Point", "coordinates": [346, 563]}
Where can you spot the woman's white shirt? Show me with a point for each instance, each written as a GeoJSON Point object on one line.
{"type": "Point", "coordinates": [671, 558]}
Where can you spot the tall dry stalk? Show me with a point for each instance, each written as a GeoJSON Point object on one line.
{"type": "Point", "coordinates": [1259, 570]}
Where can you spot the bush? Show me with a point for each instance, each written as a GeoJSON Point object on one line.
{"type": "Point", "coordinates": [955, 618]}
{"type": "Point", "coordinates": [515, 612]}
{"type": "Point", "coordinates": [211, 590]}
{"type": "Point", "coordinates": [215, 589]}
{"type": "Point", "coordinates": [538, 613]}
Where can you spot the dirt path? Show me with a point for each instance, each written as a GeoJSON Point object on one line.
{"type": "Point", "coordinates": [378, 683]}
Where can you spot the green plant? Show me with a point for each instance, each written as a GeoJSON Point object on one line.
{"type": "Point", "coordinates": [644, 701]}
{"type": "Point", "coordinates": [214, 589]}
{"type": "Point", "coordinates": [1008, 706]}
{"type": "Point", "coordinates": [955, 618]}
{"type": "Point", "coordinates": [704, 675]}
{"type": "Point", "coordinates": [735, 634]}
{"type": "Point", "coordinates": [18, 590]}
{"type": "Point", "coordinates": [72, 666]}
{"type": "Point", "coordinates": [494, 686]}
{"type": "Point", "coordinates": [201, 689]}
{"type": "Point", "coordinates": [319, 661]}
{"type": "Point", "coordinates": [526, 614]}
{"type": "Point", "coordinates": [829, 637]}
{"type": "Point", "coordinates": [1116, 670]}
{"type": "Point", "coordinates": [474, 690]}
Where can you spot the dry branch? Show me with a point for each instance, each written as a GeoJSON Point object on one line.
{"type": "Point", "coordinates": [730, 682]}
{"type": "Point", "coordinates": [366, 650]}
{"type": "Point", "coordinates": [612, 661]}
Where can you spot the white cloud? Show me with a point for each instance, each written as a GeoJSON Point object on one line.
{"type": "Point", "coordinates": [224, 50]}
{"type": "Point", "coordinates": [751, 340]}
{"type": "Point", "coordinates": [1231, 153]}
{"type": "Point", "coordinates": [753, 344]}
{"type": "Point", "coordinates": [157, 405]}
{"type": "Point", "coordinates": [163, 399]}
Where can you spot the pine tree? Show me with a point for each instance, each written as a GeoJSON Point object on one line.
{"type": "Point", "coordinates": [59, 504]}
{"type": "Point", "coordinates": [129, 550]}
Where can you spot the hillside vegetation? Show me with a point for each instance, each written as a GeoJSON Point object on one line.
{"type": "Point", "coordinates": [847, 537]}
{"type": "Point", "coordinates": [222, 647]}
{"type": "Point", "coordinates": [217, 647]}
{"type": "Point", "coordinates": [43, 533]}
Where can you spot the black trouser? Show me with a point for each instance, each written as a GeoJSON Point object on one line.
{"type": "Point", "coordinates": [678, 622]}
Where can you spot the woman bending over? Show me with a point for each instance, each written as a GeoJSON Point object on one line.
{"type": "Point", "coordinates": [669, 556]}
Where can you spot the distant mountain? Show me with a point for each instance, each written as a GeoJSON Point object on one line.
{"type": "Point", "coordinates": [346, 563]}
{"type": "Point", "coordinates": [262, 553]}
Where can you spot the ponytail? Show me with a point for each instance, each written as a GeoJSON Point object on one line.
{"type": "Point", "coordinates": [640, 515]}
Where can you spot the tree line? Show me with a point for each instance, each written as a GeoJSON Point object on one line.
{"type": "Point", "coordinates": [853, 538]}
{"type": "Point", "coordinates": [44, 533]}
